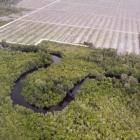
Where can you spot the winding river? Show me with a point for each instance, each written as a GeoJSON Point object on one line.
{"type": "Point", "coordinates": [18, 99]}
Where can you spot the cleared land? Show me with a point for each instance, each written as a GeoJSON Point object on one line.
{"type": "Point", "coordinates": [34, 4]}
{"type": "Point", "coordinates": [107, 24]}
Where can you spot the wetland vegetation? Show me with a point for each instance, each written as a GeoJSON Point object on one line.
{"type": "Point", "coordinates": [106, 107]}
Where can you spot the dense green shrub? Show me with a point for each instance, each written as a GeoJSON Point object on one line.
{"type": "Point", "coordinates": [104, 108]}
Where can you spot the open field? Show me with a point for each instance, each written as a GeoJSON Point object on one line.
{"type": "Point", "coordinates": [107, 24]}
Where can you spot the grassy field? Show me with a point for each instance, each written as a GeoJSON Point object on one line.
{"type": "Point", "coordinates": [104, 108]}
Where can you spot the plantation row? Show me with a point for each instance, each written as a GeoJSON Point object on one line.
{"type": "Point", "coordinates": [30, 33]}
{"type": "Point", "coordinates": [31, 4]}
{"type": "Point", "coordinates": [123, 4]}
{"type": "Point", "coordinates": [74, 22]}
{"type": "Point", "coordinates": [80, 8]}
{"type": "Point", "coordinates": [87, 20]}
{"type": "Point", "coordinates": [115, 11]}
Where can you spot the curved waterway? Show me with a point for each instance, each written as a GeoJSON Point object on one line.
{"type": "Point", "coordinates": [18, 99]}
{"type": "Point", "coordinates": [16, 96]}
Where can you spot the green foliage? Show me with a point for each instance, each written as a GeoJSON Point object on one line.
{"type": "Point", "coordinates": [104, 108]}
{"type": "Point", "coordinates": [49, 86]}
